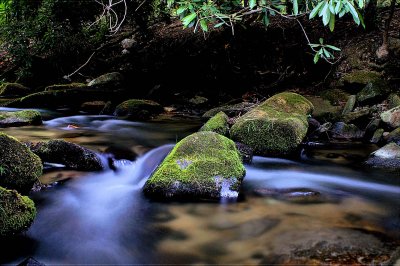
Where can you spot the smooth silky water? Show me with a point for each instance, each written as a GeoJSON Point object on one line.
{"type": "Point", "coordinates": [286, 206]}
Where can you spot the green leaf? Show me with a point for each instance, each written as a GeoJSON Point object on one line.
{"type": "Point", "coordinates": [314, 12]}
{"type": "Point", "coordinates": [316, 58]}
{"type": "Point", "coordinates": [266, 19]}
{"type": "Point", "coordinates": [354, 13]}
{"type": "Point", "coordinates": [203, 25]}
{"type": "Point", "coordinates": [252, 3]}
{"type": "Point", "coordinates": [326, 15]}
{"type": "Point", "coordinates": [361, 4]}
{"type": "Point", "coordinates": [333, 47]}
{"type": "Point", "coordinates": [295, 7]}
{"type": "Point", "coordinates": [326, 53]}
{"type": "Point", "coordinates": [181, 10]}
{"type": "Point", "coordinates": [332, 22]}
{"type": "Point", "coordinates": [338, 7]}
{"type": "Point", "coordinates": [219, 24]}
{"type": "Point", "coordinates": [188, 19]}
{"type": "Point", "coordinates": [321, 40]}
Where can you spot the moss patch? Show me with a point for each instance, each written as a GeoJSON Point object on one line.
{"type": "Point", "coordinates": [335, 96]}
{"type": "Point", "coordinates": [231, 110]}
{"type": "Point", "coordinates": [361, 77]}
{"type": "Point", "coordinates": [70, 86]}
{"type": "Point", "coordinates": [21, 118]}
{"type": "Point", "coordinates": [138, 109]}
{"type": "Point", "coordinates": [217, 124]}
{"type": "Point", "coordinates": [201, 166]}
{"type": "Point", "coordinates": [16, 212]}
{"type": "Point", "coordinates": [13, 89]}
{"type": "Point", "coordinates": [21, 168]}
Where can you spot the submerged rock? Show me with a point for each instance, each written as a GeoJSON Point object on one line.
{"type": "Point", "coordinates": [218, 124]}
{"type": "Point", "coordinates": [13, 89]}
{"type": "Point", "coordinates": [16, 212]}
{"type": "Point", "coordinates": [20, 118]}
{"type": "Point", "coordinates": [386, 157]}
{"type": "Point", "coordinates": [276, 127]}
{"type": "Point", "coordinates": [231, 110]}
{"type": "Point", "coordinates": [19, 167]}
{"type": "Point", "coordinates": [69, 154]}
{"type": "Point", "coordinates": [204, 165]}
{"type": "Point", "coordinates": [392, 117]}
{"type": "Point", "coordinates": [138, 109]}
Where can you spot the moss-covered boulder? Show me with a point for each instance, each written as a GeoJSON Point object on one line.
{"type": "Point", "coordinates": [230, 109]}
{"type": "Point", "coordinates": [113, 80]}
{"type": "Point", "coordinates": [323, 109]}
{"type": "Point", "coordinates": [20, 118]}
{"type": "Point", "coordinates": [13, 89]}
{"type": "Point", "coordinates": [218, 124]}
{"type": "Point", "coordinates": [204, 165]}
{"type": "Point", "coordinates": [386, 157]}
{"type": "Point", "coordinates": [66, 153]}
{"type": "Point", "coordinates": [335, 96]}
{"type": "Point", "coordinates": [16, 212]}
{"type": "Point", "coordinates": [392, 117]}
{"type": "Point", "coordinates": [69, 86]}
{"type": "Point", "coordinates": [373, 92]}
{"type": "Point", "coordinates": [138, 109]}
{"type": "Point", "coordinates": [19, 167]}
{"type": "Point", "coordinates": [276, 127]}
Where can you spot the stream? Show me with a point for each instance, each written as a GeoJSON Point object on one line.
{"type": "Point", "coordinates": [323, 206]}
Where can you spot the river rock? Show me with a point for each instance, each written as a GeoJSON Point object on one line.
{"type": "Point", "coordinates": [218, 124]}
{"type": "Point", "coordinates": [21, 118]}
{"type": "Point", "coordinates": [198, 100]}
{"type": "Point", "coordinates": [13, 89]}
{"type": "Point", "coordinates": [93, 107]}
{"type": "Point", "coordinates": [245, 151]}
{"type": "Point", "coordinates": [393, 100]}
{"type": "Point", "coordinates": [349, 105]}
{"type": "Point", "coordinates": [323, 109]}
{"type": "Point", "coordinates": [230, 109]}
{"type": "Point", "coordinates": [66, 153]}
{"type": "Point", "coordinates": [112, 81]}
{"type": "Point", "coordinates": [386, 157]}
{"type": "Point", "coordinates": [275, 127]}
{"type": "Point", "coordinates": [335, 96]}
{"type": "Point", "coordinates": [359, 78]}
{"type": "Point", "coordinates": [377, 137]}
{"type": "Point", "coordinates": [138, 109]}
{"type": "Point", "coordinates": [341, 130]}
{"type": "Point", "coordinates": [19, 167]}
{"type": "Point", "coordinates": [204, 165]}
{"type": "Point", "coordinates": [16, 212]}
{"type": "Point", "coordinates": [394, 136]}
{"type": "Point", "coordinates": [373, 92]}
{"type": "Point", "coordinates": [392, 117]}
{"type": "Point", "coordinates": [31, 262]}
{"type": "Point", "coordinates": [371, 128]}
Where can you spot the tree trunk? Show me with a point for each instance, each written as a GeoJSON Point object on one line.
{"type": "Point", "coordinates": [383, 51]}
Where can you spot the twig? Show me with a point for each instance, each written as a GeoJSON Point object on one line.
{"type": "Point", "coordinates": [79, 68]}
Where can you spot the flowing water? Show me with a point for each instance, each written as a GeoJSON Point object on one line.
{"type": "Point", "coordinates": [321, 207]}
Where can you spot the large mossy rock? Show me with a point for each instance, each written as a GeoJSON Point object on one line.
{"type": "Point", "coordinates": [204, 165]}
{"type": "Point", "coordinates": [392, 117]}
{"type": "Point", "coordinates": [361, 77]}
{"type": "Point", "coordinates": [13, 89]}
{"type": "Point", "coordinates": [218, 124]}
{"type": "Point", "coordinates": [20, 118]}
{"type": "Point", "coordinates": [276, 127]}
{"type": "Point", "coordinates": [19, 167]}
{"type": "Point", "coordinates": [16, 212]}
{"type": "Point", "coordinates": [386, 157]}
{"type": "Point", "coordinates": [113, 80]}
{"type": "Point", "coordinates": [323, 109]}
{"type": "Point", "coordinates": [69, 154]}
{"type": "Point", "coordinates": [138, 109]}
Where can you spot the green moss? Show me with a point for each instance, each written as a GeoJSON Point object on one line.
{"type": "Point", "coordinates": [137, 108]}
{"type": "Point", "coordinates": [393, 100]}
{"type": "Point", "coordinates": [198, 165]}
{"type": "Point", "coordinates": [231, 110]}
{"type": "Point", "coordinates": [361, 77]}
{"type": "Point", "coordinates": [13, 89]}
{"type": "Point", "coordinates": [323, 109]}
{"type": "Point", "coordinates": [270, 132]}
{"type": "Point", "coordinates": [16, 212]}
{"type": "Point", "coordinates": [20, 118]}
{"type": "Point", "coordinates": [289, 102]}
{"type": "Point", "coordinates": [335, 96]}
{"type": "Point", "coordinates": [217, 124]}
{"type": "Point", "coordinates": [21, 167]}
{"type": "Point", "coordinates": [65, 86]}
